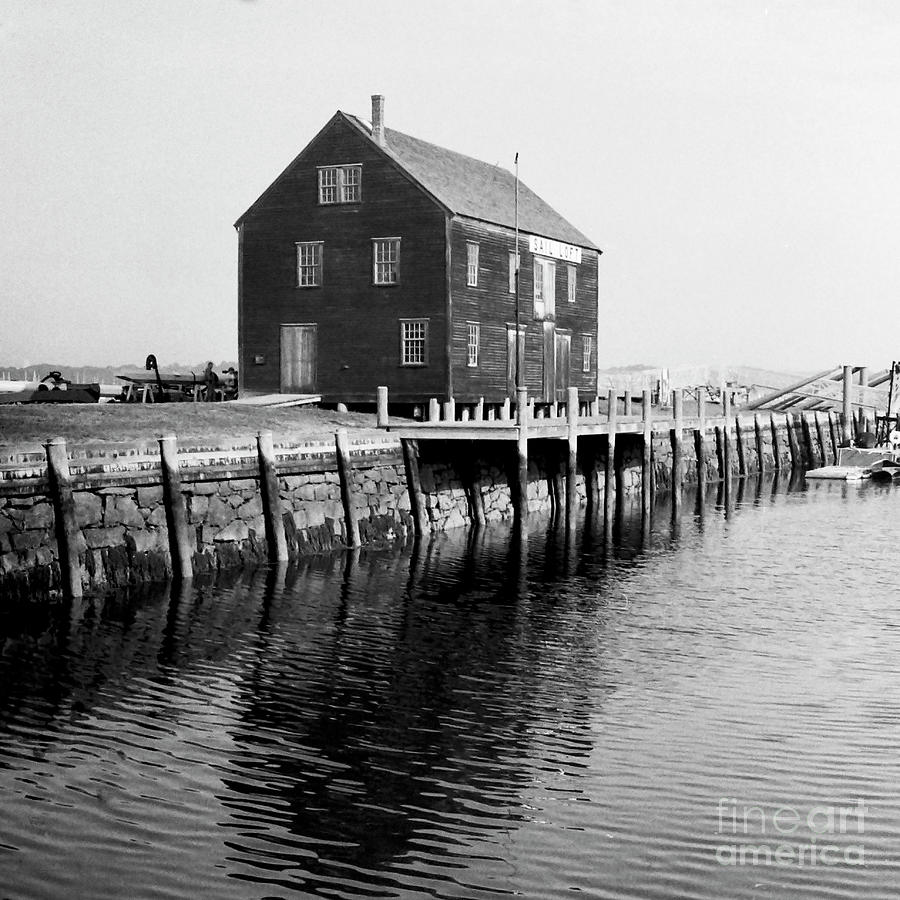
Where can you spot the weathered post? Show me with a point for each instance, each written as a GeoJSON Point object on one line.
{"type": "Point", "coordinates": [479, 410]}
{"type": "Point", "coordinates": [345, 475]}
{"type": "Point", "coordinates": [609, 480]}
{"type": "Point", "coordinates": [848, 405]}
{"type": "Point", "coordinates": [434, 410]}
{"type": "Point", "coordinates": [808, 440]}
{"type": "Point", "coordinates": [776, 443]}
{"type": "Point", "coordinates": [381, 418]}
{"type": "Point", "coordinates": [647, 456]}
{"type": "Point", "coordinates": [700, 440]}
{"type": "Point", "coordinates": [271, 498]}
{"type": "Point", "coordinates": [66, 522]}
{"type": "Point", "coordinates": [505, 414]}
{"type": "Point", "coordinates": [521, 498]}
{"type": "Point", "coordinates": [741, 449]}
{"type": "Point", "coordinates": [863, 384]}
{"type": "Point", "coordinates": [464, 414]}
{"type": "Point", "coordinates": [726, 439]}
{"type": "Point", "coordinates": [626, 405]}
{"type": "Point", "coordinates": [176, 512]}
{"type": "Point", "coordinates": [835, 441]}
{"type": "Point", "coordinates": [796, 459]}
{"type": "Point", "coordinates": [760, 445]}
{"type": "Point", "coordinates": [450, 410]}
{"type": "Point", "coordinates": [820, 434]}
{"type": "Point", "coordinates": [472, 475]}
{"type": "Point", "coordinates": [414, 486]}
{"type": "Point", "coordinates": [677, 449]}
{"type": "Point", "coordinates": [572, 460]}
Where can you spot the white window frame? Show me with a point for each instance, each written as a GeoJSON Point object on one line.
{"type": "Point", "coordinates": [544, 288]}
{"type": "Point", "coordinates": [587, 352]}
{"type": "Point", "coordinates": [386, 261]}
{"type": "Point", "coordinates": [471, 263]}
{"type": "Point", "coordinates": [343, 184]}
{"type": "Point", "coordinates": [307, 270]}
{"type": "Point", "coordinates": [572, 283]}
{"type": "Point", "coordinates": [473, 341]}
{"type": "Point", "coordinates": [414, 343]}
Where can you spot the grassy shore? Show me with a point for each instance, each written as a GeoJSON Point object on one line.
{"type": "Point", "coordinates": [213, 424]}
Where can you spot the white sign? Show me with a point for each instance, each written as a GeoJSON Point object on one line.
{"type": "Point", "coordinates": [556, 249]}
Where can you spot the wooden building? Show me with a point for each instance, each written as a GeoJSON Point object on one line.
{"type": "Point", "coordinates": [376, 258]}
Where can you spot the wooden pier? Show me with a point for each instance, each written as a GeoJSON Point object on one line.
{"type": "Point", "coordinates": [736, 433]}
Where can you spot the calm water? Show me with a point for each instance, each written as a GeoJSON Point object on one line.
{"type": "Point", "coordinates": [481, 718]}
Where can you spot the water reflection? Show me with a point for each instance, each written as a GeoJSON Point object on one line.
{"type": "Point", "coordinates": [481, 712]}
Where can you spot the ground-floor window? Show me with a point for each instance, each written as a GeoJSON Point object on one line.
{"type": "Point", "coordinates": [414, 342]}
{"type": "Point", "coordinates": [586, 352]}
{"type": "Point", "coordinates": [473, 331]}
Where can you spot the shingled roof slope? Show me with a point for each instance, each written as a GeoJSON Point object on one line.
{"type": "Point", "coordinates": [476, 189]}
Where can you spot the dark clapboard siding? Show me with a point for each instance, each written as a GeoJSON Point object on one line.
{"type": "Point", "coordinates": [492, 306]}
{"type": "Point", "coordinates": [358, 323]}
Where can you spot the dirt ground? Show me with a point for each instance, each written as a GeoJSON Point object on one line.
{"type": "Point", "coordinates": [211, 425]}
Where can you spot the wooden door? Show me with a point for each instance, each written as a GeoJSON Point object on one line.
{"type": "Point", "coordinates": [549, 362]}
{"type": "Point", "coordinates": [299, 363]}
{"type": "Point", "coordinates": [511, 358]}
{"type": "Point", "coordinates": [563, 364]}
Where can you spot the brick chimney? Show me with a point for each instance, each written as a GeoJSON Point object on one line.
{"type": "Point", "coordinates": [378, 119]}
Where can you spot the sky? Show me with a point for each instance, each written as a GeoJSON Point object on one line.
{"type": "Point", "coordinates": [736, 161]}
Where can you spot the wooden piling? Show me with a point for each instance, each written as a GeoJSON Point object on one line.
{"type": "Point", "coordinates": [345, 473]}
{"type": "Point", "coordinates": [776, 443]}
{"type": "Point", "coordinates": [572, 459]}
{"type": "Point", "coordinates": [796, 460]}
{"type": "Point", "coordinates": [809, 441]}
{"type": "Point", "coordinates": [848, 405]}
{"type": "Point", "coordinates": [464, 414]}
{"type": "Point", "coordinates": [381, 416]}
{"type": "Point", "coordinates": [741, 449]}
{"type": "Point", "coordinates": [271, 498]}
{"type": "Point", "coordinates": [626, 404]}
{"type": "Point", "coordinates": [609, 482]}
{"type": "Point", "coordinates": [820, 434]}
{"type": "Point", "coordinates": [833, 429]}
{"type": "Point", "coordinates": [434, 410]}
{"type": "Point", "coordinates": [677, 449]}
{"type": "Point", "coordinates": [505, 413]}
{"type": "Point", "coordinates": [726, 438]}
{"type": "Point", "coordinates": [863, 384]}
{"type": "Point", "coordinates": [66, 522]}
{"type": "Point", "coordinates": [647, 455]}
{"type": "Point", "coordinates": [479, 410]}
{"type": "Point", "coordinates": [472, 475]}
{"type": "Point", "coordinates": [450, 410]}
{"type": "Point", "coordinates": [760, 445]}
{"type": "Point", "coordinates": [521, 497]}
{"type": "Point", "coordinates": [176, 510]}
{"type": "Point", "coordinates": [414, 486]}
{"type": "Point", "coordinates": [700, 439]}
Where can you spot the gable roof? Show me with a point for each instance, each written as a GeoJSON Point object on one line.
{"type": "Point", "coordinates": [474, 189]}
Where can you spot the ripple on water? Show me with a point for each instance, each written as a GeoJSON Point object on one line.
{"type": "Point", "coordinates": [476, 718]}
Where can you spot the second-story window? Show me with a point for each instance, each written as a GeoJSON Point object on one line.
{"type": "Point", "coordinates": [340, 184]}
{"type": "Point", "coordinates": [309, 263]}
{"type": "Point", "coordinates": [471, 264]}
{"type": "Point", "coordinates": [573, 280]}
{"type": "Point", "coordinates": [385, 260]}
{"type": "Point", "coordinates": [544, 288]}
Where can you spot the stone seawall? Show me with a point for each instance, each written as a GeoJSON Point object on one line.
{"type": "Point", "coordinates": [123, 533]}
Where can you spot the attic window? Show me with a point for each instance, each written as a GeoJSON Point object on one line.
{"type": "Point", "coordinates": [340, 184]}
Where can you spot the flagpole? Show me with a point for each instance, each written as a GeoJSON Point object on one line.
{"type": "Point", "coordinates": [518, 336]}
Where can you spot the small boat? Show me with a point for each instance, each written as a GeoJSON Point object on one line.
{"type": "Point", "coordinates": [858, 463]}
{"type": "Point", "coordinates": [53, 388]}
